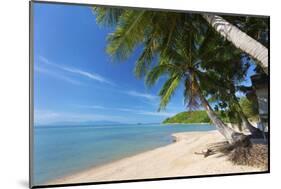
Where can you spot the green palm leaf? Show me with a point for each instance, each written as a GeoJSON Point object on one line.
{"type": "Point", "coordinates": [168, 90]}
{"type": "Point", "coordinates": [107, 16]}
{"type": "Point", "coordinates": [129, 32]}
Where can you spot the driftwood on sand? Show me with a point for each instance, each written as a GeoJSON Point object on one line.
{"type": "Point", "coordinates": [206, 152]}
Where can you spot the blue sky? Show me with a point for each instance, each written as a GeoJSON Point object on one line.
{"type": "Point", "coordinates": [76, 81]}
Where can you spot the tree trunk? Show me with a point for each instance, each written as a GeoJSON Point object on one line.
{"type": "Point", "coordinates": [226, 131]}
{"type": "Point", "coordinates": [255, 132]}
{"type": "Point", "coordinates": [230, 135]}
{"type": "Point", "coordinates": [245, 123]}
{"type": "Point", "coordinates": [239, 39]}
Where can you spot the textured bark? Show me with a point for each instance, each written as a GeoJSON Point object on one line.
{"type": "Point", "coordinates": [239, 39]}
{"type": "Point", "coordinates": [230, 135]}
{"type": "Point", "coordinates": [246, 124]}
{"type": "Point", "coordinates": [226, 131]}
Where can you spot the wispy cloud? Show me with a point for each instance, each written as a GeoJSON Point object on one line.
{"type": "Point", "coordinates": [45, 115]}
{"type": "Point", "coordinates": [98, 107]}
{"type": "Point", "coordinates": [162, 114]}
{"type": "Point", "coordinates": [92, 76]}
{"type": "Point", "coordinates": [134, 111]}
{"type": "Point", "coordinates": [49, 117]}
{"type": "Point", "coordinates": [125, 109]}
{"type": "Point", "coordinates": [142, 95]}
{"type": "Point", "coordinates": [92, 107]}
{"type": "Point", "coordinates": [59, 76]}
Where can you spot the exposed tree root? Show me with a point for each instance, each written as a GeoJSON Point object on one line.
{"type": "Point", "coordinates": [256, 156]}
{"type": "Point", "coordinates": [243, 152]}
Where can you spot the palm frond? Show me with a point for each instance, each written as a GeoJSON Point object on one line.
{"type": "Point", "coordinates": [161, 69]}
{"type": "Point", "coordinates": [146, 57]}
{"type": "Point", "coordinates": [107, 16]}
{"type": "Point", "coordinates": [168, 90]}
{"type": "Point", "coordinates": [191, 98]}
{"type": "Point", "coordinates": [128, 34]}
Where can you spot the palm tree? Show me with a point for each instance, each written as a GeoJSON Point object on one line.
{"type": "Point", "coordinates": [179, 56]}
{"type": "Point", "coordinates": [229, 104]}
{"type": "Point", "coordinates": [245, 122]}
{"type": "Point", "coordinates": [135, 22]}
{"type": "Point", "coordinates": [239, 39]}
{"type": "Point", "coordinates": [181, 63]}
{"type": "Point", "coordinates": [185, 32]}
{"type": "Point", "coordinates": [219, 57]}
{"type": "Point", "coordinates": [256, 27]}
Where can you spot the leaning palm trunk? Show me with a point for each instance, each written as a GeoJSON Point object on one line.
{"type": "Point", "coordinates": [230, 135]}
{"type": "Point", "coordinates": [246, 124]}
{"type": "Point", "coordinates": [226, 131]}
{"type": "Point", "coordinates": [239, 39]}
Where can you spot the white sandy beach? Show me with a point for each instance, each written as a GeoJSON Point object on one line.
{"type": "Point", "coordinates": [176, 159]}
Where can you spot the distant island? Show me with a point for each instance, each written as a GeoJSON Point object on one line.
{"type": "Point", "coordinates": [189, 117]}
{"type": "Point", "coordinates": [199, 116]}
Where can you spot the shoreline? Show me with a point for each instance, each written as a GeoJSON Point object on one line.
{"type": "Point", "coordinates": [172, 160]}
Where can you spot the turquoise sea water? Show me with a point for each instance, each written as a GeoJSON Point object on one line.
{"type": "Point", "coordinates": [62, 150]}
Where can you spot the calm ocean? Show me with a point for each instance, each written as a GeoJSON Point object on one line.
{"type": "Point", "coordinates": [62, 150]}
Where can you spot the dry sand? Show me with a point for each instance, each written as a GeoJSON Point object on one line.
{"type": "Point", "coordinates": [176, 159]}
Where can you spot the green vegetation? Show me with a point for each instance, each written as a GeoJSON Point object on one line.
{"type": "Point", "coordinates": [189, 117]}
{"type": "Point", "coordinates": [191, 52]}
{"type": "Point", "coordinates": [249, 107]}
{"type": "Point", "coordinates": [199, 116]}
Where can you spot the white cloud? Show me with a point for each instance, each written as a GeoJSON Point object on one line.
{"type": "Point", "coordinates": [142, 95]}
{"type": "Point", "coordinates": [162, 114]}
{"type": "Point", "coordinates": [134, 111]}
{"type": "Point", "coordinates": [125, 109]}
{"type": "Point", "coordinates": [92, 76]}
{"type": "Point", "coordinates": [41, 114]}
{"type": "Point", "coordinates": [107, 108]}
{"type": "Point", "coordinates": [59, 76]}
{"type": "Point", "coordinates": [93, 107]}
{"type": "Point", "coordinates": [89, 75]}
{"type": "Point", "coordinates": [49, 117]}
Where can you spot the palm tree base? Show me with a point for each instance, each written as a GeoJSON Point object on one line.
{"type": "Point", "coordinates": [242, 152]}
